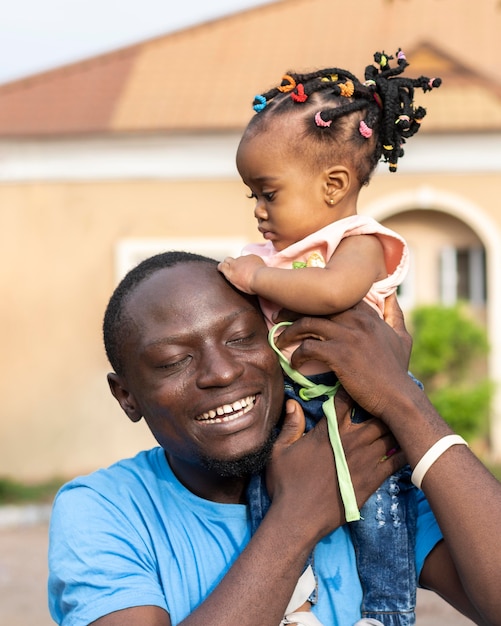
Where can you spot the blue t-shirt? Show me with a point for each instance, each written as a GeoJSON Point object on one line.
{"type": "Point", "coordinates": [132, 535]}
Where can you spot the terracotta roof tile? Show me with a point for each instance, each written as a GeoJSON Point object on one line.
{"type": "Point", "coordinates": [466, 101]}
{"type": "Point", "coordinates": [204, 78]}
{"type": "Point", "coordinates": [77, 99]}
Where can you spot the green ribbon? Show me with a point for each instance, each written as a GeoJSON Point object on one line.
{"type": "Point", "coordinates": [311, 390]}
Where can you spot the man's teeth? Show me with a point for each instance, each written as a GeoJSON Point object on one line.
{"type": "Point", "coordinates": [228, 412]}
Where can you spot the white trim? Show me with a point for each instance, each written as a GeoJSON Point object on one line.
{"type": "Point", "coordinates": [130, 252]}
{"type": "Point", "coordinates": [120, 158]}
{"type": "Point", "coordinates": [207, 156]}
{"type": "Point", "coordinates": [465, 152]}
{"type": "Point", "coordinates": [448, 276]}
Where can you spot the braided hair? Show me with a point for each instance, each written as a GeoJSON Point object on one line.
{"type": "Point", "coordinates": [364, 122]}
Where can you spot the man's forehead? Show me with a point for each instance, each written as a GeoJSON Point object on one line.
{"type": "Point", "coordinates": [175, 278]}
{"type": "Point", "coordinates": [185, 286]}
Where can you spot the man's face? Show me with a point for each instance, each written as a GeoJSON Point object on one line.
{"type": "Point", "coordinates": [198, 367]}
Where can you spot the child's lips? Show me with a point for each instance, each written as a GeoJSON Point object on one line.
{"type": "Point", "coordinates": [267, 234]}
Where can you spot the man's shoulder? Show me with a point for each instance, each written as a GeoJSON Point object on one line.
{"type": "Point", "coordinates": [126, 474]}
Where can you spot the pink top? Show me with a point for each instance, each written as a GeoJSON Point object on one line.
{"type": "Point", "coordinates": [317, 249]}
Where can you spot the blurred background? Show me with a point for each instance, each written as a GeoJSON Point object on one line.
{"type": "Point", "coordinates": [119, 123]}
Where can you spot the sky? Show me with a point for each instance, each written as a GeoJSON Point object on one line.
{"type": "Point", "coordinates": [36, 35]}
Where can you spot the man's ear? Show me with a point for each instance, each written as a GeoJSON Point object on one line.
{"type": "Point", "coordinates": [337, 183]}
{"type": "Point", "coordinates": [124, 398]}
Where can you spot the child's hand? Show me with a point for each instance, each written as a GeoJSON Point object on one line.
{"type": "Point", "coordinates": [242, 271]}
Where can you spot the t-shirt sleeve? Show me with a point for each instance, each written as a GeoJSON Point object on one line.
{"type": "Point", "coordinates": [98, 561]}
{"type": "Point", "coordinates": [428, 533]}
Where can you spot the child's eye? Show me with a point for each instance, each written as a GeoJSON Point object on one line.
{"type": "Point", "coordinates": [267, 196]}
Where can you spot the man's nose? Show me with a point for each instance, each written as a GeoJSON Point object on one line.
{"type": "Point", "coordinates": [219, 368]}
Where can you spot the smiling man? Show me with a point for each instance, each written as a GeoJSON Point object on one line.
{"type": "Point", "coordinates": [207, 383]}
{"type": "Point", "coordinates": [164, 538]}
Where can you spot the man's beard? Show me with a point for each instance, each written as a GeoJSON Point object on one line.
{"type": "Point", "coordinates": [251, 463]}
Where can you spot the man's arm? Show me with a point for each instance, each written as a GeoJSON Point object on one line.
{"type": "Point", "coordinates": [366, 354]}
{"type": "Point", "coordinates": [306, 506]}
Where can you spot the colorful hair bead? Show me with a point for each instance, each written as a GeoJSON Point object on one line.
{"type": "Point", "coordinates": [404, 121]}
{"type": "Point", "coordinates": [347, 89]}
{"type": "Point", "coordinates": [378, 100]}
{"type": "Point", "coordinates": [330, 78]}
{"type": "Point", "coordinates": [289, 85]}
{"type": "Point", "coordinates": [365, 131]}
{"type": "Point", "coordinates": [320, 122]}
{"type": "Point", "coordinates": [299, 95]}
{"type": "Point", "coordinates": [386, 114]}
{"type": "Point", "coordinates": [259, 103]}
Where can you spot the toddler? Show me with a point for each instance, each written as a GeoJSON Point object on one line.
{"type": "Point", "coordinates": [314, 143]}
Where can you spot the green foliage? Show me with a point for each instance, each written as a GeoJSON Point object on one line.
{"type": "Point", "coordinates": [495, 470]}
{"type": "Point", "coordinates": [447, 355]}
{"type": "Point", "coordinates": [466, 409]}
{"type": "Point", "coordinates": [14, 492]}
{"type": "Point", "coordinates": [446, 342]}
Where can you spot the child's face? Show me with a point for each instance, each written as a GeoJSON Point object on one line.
{"type": "Point", "coordinates": [290, 196]}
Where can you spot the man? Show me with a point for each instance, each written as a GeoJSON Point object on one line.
{"type": "Point", "coordinates": [164, 538]}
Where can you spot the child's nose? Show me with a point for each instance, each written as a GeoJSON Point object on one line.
{"type": "Point", "coordinates": [260, 211]}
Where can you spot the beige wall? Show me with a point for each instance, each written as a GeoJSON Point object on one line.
{"type": "Point", "coordinates": [57, 248]}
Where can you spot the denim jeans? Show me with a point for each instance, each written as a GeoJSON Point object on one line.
{"type": "Point", "coordinates": [384, 539]}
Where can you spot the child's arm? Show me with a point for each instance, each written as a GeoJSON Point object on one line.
{"type": "Point", "coordinates": [357, 263]}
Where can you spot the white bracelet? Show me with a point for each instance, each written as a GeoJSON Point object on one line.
{"type": "Point", "coordinates": [436, 451]}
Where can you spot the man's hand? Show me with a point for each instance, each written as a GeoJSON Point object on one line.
{"type": "Point", "coordinates": [369, 357]}
{"type": "Point", "coordinates": [394, 317]}
{"type": "Point", "coordinates": [301, 475]}
{"type": "Point", "coordinates": [241, 272]}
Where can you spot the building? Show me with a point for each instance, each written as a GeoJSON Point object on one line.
{"type": "Point", "coordinates": [109, 159]}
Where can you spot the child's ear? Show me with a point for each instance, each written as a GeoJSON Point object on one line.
{"type": "Point", "coordinates": [337, 183]}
